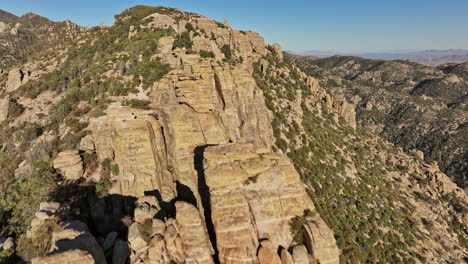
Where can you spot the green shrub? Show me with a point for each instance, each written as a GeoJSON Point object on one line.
{"type": "Point", "coordinates": [14, 109]}
{"type": "Point", "coordinates": [22, 200]}
{"type": "Point", "coordinates": [183, 41]}
{"type": "Point", "coordinates": [226, 50]}
{"type": "Point", "coordinates": [136, 103]}
{"type": "Point", "coordinates": [8, 257]}
{"type": "Point", "coordinates": [149, 71]}
{"type": "Point", "coordinates": [207, 54]}
{"type": "Point", "coordinates": [115, 169]}
{"type": "Point", "coordinates": [189, 27]}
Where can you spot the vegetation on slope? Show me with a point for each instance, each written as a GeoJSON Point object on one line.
{"type": "Point", "coordinates": [411, 105]}
{"type": "Point", "coordinates": [347, 174]}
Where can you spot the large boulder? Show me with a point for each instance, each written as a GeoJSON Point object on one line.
{"type": "Point", "coordinates": [194, 237]}
{"type": "Point", "coordinates": [254, 195]}
{"type": "Point", "coordinates": [16, 78]}
{"type": "Point", "coordinates": [268, 254]}
{"type": "Point", "coordinates": [69, 257]}
{"type": "Point", "coordinates": [319, 240]}
{"type": "Point", "coordinates": [69, 164]}
{"type": "Point", "coordinates": [4, 105]}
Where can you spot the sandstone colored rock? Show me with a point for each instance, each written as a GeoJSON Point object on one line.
{"type": "Point", "coordinates": [286, 257]}
{"type": "Point", "coordinates": [161, 21]}
{"type": "Point", "coordinates": [194, 237]}
{"type": "Point", "coordinates": [320, 241]}
{"type": "Point", "coordinates": [267, 254]}
{"type": "Point", "coordinates": [4, 105]}
{"type": "Point", "coordinates": [15, 79]}
{"type": "Point", "coordinates": [278, 51]}
{"type": "Point", "coordinates": [69, 164]}
{"type": "Point", "coordinates": [300, 255]}
{"type": "Point", "coordinates": [71, 257]}
{"type": "Point", "coordinates": [254, 194]}
{"type": "Point", "coordinates": [75, 235]}
{"type": "Point", "coordinates": [137, 237]}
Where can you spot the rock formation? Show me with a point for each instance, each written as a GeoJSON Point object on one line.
{"type": "Point", "coordinates": [69, 164]}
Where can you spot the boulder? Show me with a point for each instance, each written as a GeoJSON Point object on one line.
{"type": "Point", "coordinates": [165, 44]}
{"type": "Point", "coordinates": [4, 105]}
{"type": "Point", "coordinates": [75, 235]}
{"type": "Point", "coordinates": [15, 80]}
{"type": "Point", "coordinates": [319, 239]}
{"type": "Point", "coordinates": [300, 255]}
{"type": "Point", "coordinates": [194, 237]}
{"type": "Point", "coordinates": [254, 194]}
{"type": "Point", "coordinates": [69, 257]}
{"type": "Point", "coordinates": [9, 243]}
{"type": "Point", "coordinates": [278, 51]}
{"type": "Point", "coordinates": [267, 254]}
{"type": "Point", "coordinates": [156, 249]}
{"type": "Point", "coordinates": [87, 144]}
{"type": "Point", "coordinates": [4, 27]}
{"type": "Point", "coordinates": [69, 164]}
{"type": "Point", "coordinates": [286, 257]}
{"type": "Point", "coordinates": [137, 237]}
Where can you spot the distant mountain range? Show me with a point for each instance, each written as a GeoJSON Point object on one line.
{"type": "Point", "coordinates": [427, 57]}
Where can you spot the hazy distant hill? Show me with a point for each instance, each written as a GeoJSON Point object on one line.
{"type": "Point", "coordinates": [427, 57]}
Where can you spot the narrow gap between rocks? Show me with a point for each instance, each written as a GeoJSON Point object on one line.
{"type": "Point", "coordinates": [205, 197]}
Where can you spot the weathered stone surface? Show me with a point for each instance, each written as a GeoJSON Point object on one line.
{"type": "Point", "coordinates": [4, 105]}
{"type": "Point", "coordinates": [165, 44]}
{"type": "Point", "coordinates": [137, 237]}
{"type": "Point", "coordinates": [194, 237]}
{"type": "Point", "coordinates": [267, 254]}
{"type": "Point", "coordinates": [69, 164]}
{"type": "Point", "coordinates": [9, 243]}
{"type": "Point", "coordinates": [75, 235]}
{"type": "Point", "coordinates": [15, 79]}
{"type": "Point", "coordinates": [286, 257]}
{"type": "Point", "coordinates": [161, 21]}
{"type": "Point", "coordinates": [4, 27]}
{"type": "Point", "coordinates": [254, 194]}
{"type": "Point", "coordinates": [87, 144]}
{"type": "Point", "coordinates": [320, 241]}
{"type": "Point", "coordinates": [70, 257]}
{"type": "Point", "coordinates": [300, 255]}
{"type": "Point", "coordinates": [278, 51]}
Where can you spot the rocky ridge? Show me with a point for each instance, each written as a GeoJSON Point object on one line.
{"type": "Point", "coordinates": [190, 177]}
{"type": "Point", "coordinates": [174, 148]}
{"type": "Point", "coordinates": [409, 104]}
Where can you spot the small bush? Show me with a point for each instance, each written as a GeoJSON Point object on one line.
{"type": "Point", "coordinates": [206, 54]}
{"type": "Point", "coordinates": [136, 103]}
{"type": "Point", "coordinates": [40, 244]}
{"type": "Point", "coordinates": [189, 27]}
{"type": "Point", "coordinates": [226, 50]}
{"type": "Point", "coordinates": [150, 71]}
{"type": "Point", "coordinates": [115, 169]}
{"type": "Point", "coordinates": [14, 109]}
{"type": "Point", "coordinates": [183, 41]}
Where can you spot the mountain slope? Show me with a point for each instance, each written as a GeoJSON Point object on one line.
{"type": "Point", "coordinates": [7, 17]}
{"type": "Point", "coordinates": [172, 138]}
{"type": "Point", "coordinates": [411, 105]}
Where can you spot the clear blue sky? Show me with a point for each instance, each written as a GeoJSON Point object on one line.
{"type": "Point", "coordinates": [300, 25]}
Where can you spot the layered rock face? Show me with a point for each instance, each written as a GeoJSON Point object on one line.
{"type": "Point", "coordinates": [199, 162]}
